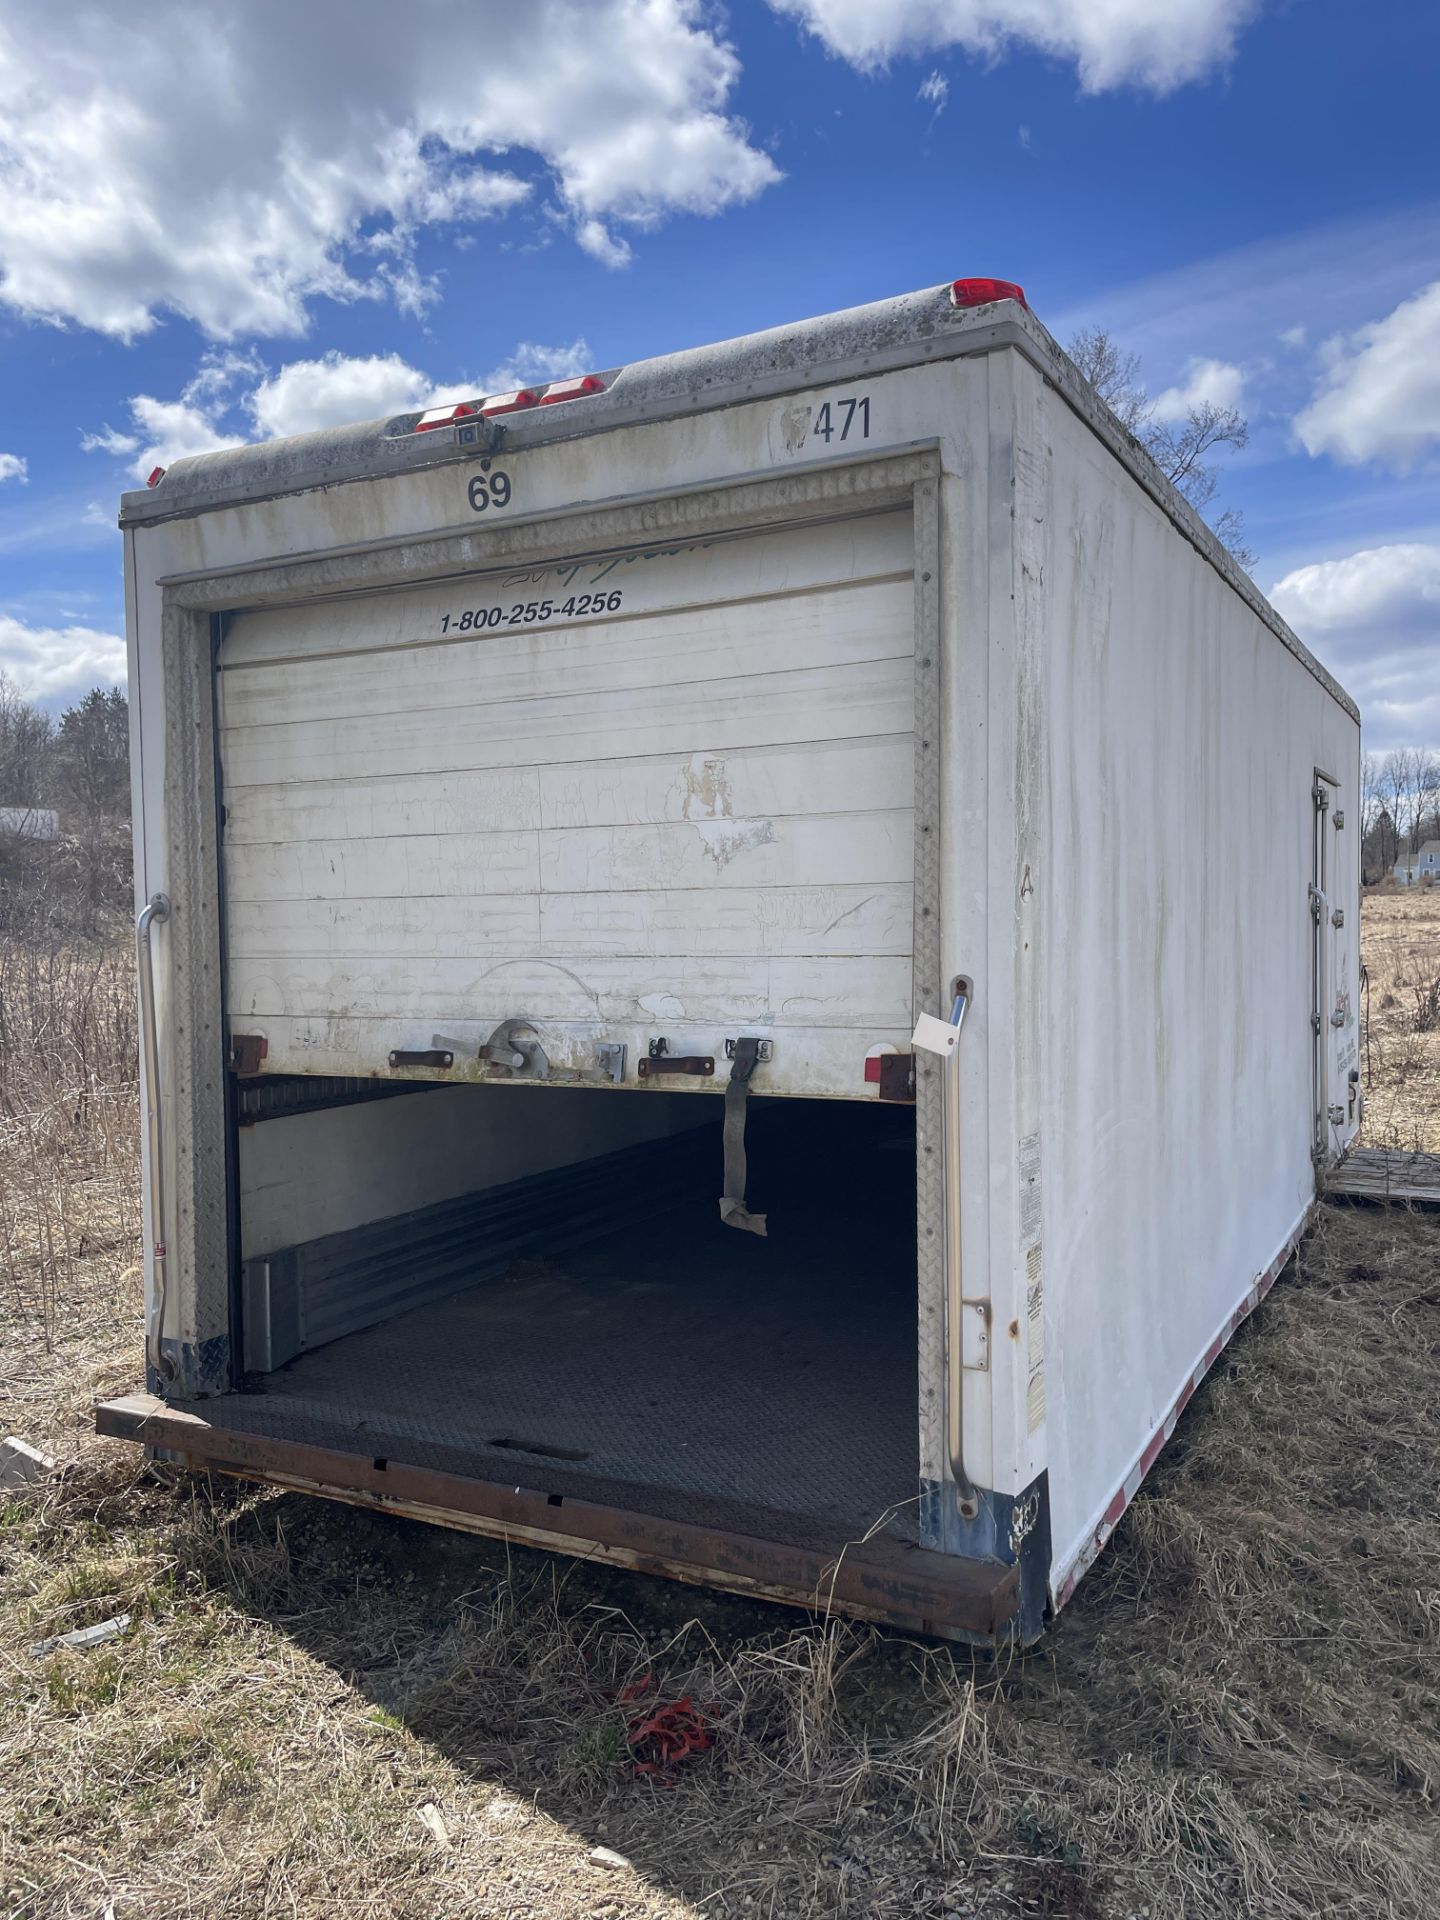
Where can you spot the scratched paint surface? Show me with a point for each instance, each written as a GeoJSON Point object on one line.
{"type": "Point", "coordinates": [669, 791]}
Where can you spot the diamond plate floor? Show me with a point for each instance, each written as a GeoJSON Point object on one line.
{"type": "Point", "coordinates": [676, 1353]}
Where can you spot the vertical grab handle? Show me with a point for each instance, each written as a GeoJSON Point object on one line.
{"type": "Point", "coordinates": [1320, 914]}
{"type": "Point", "coordinates": [157, 908]}
{"type": "Point", "coordinates": [942, 1037]}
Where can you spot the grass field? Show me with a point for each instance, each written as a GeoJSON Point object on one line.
{"type": "Point", "coordinates": [1401, 945]}
{"type": "Point", "coordinates": [319, 1712]}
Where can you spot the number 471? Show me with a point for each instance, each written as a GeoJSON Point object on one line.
{"type": "Point", "coordinates": [843, 418]}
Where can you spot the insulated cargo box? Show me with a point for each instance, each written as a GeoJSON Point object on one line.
{"type": "Point", "coordinates": [748, 963]}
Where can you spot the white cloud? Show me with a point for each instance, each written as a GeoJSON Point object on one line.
{"type": "Point", "coordinates": [1113, 43]}
{"type": "Point", "coordinates": [13, 467]}
{"type": "Point", "coordinates": [1234, 304]}
{"type": "Point", "coordinates": [171, 430]}
{"type": "Point", "coordinates": [1374, 618]}
{"type": "Point", "coordinates": [163, 431]}
{"type": "Point", "coordinates": [1215, 383]}
{"type": "Point", "coordinates": [334, 390]}
{"type": "Point", "coordinates": [531, 363]}
{"type": "Point", "coordinates": [57, 664]}
{"type": "Point", "coordinates": [220, 407]}
{"type": "Point", "coordinates": [231, 164]}
{"type": "Point", "coordinates": [598, 240]}
{"type": "Point", "coordinates": [1380, 396]}
{"type": "Point", "coordinates": [934, 91]}
{"type": "Point", "coordinates": [339, 388]}
{"type": "Point", "coordinates": [109, 440]}
{"type": "Point", "coordinates": [1376, 586]}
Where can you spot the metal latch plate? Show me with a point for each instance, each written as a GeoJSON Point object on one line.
{"type": "Point", "coordinates": [975, 1335]}
{"type": "Point", "coordinates": [764, 1049]}
{"type": "Point", "coordinates": [247, 1050]}
{"type": "Point", "coordinates": [897, 1076]}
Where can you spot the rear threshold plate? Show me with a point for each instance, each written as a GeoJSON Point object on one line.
{"type": "Point", "coordinates": [882, 1579]}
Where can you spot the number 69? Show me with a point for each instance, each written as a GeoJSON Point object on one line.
{"type": "Point", "coordinates": [489, 490]}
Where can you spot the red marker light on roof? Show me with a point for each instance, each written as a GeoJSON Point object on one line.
{"type": "Point", "coordinates": [571, 389]}
{"type": "Point", "coordinates": [443, 416]}
{"type": "Point", "coordinates": [979, 293]}
{"type": "Point", "coordinates": [509, 402]}
{"type": "Point", "coordinates": [157, 474]}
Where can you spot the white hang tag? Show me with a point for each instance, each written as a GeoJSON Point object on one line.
{"type": "Point", "coordinates": [935, 1036]}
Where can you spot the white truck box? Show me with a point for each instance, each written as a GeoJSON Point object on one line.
{"type": "Point", "coordinates": [514, 782]}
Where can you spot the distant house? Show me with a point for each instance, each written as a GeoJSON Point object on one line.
{"type": "Point", "coordinates": [1422, 864]}
{"type": "Point", "coordinates": [30, 823]}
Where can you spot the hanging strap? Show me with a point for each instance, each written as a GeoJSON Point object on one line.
{"type": "Point", "coordinates": [733, 1210]}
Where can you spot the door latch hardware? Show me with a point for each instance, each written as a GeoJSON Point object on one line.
{"type": "Point", "coordinates": [610, 1059]}
{"type": "Point", "coordinates": [764, 1049]}
{"type": "Point", "coordinates": [421, 1057]}
{"type": "Point", "coordinates": [515, 1048]}
{"type": "Point", "coordinates": [700, 1066]}
{"type": "Point", "coordinates": [1337, 918]}
{"type": "Point", "coordinates": [247, 1050]}
{"type": "Point", "coordinates": [897, 1076]}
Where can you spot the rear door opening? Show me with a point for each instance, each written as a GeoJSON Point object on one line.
{"type": "Point", "coordinates": [593, 1328]}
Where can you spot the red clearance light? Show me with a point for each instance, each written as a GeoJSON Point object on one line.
{"type": "Point", "coordinates": [443, 416]}
{"type": "Point", "coordinates": [979, 293]}
{"type": "Point", "coordinates": [157, 474]}
{"type": "Point", "coordinates": [572, 389]}
{"type": "Point", "coordinates": [509, 402]}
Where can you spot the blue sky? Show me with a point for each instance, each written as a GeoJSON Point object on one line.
{"type": "Point", "coordinates": [226, 222]}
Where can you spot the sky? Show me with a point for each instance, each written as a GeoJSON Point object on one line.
{"type": "Point", "coordinates": [235, 221]}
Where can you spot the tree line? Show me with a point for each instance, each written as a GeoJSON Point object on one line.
{"type": "Point", "coordinates": [77, 765]}
{"type": "Point", "coordinates": [80, 761]}
{"type": "Point", "coordinates": [1399, 807]}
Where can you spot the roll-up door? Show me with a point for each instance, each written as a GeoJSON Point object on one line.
{"type": "Point", "coordinates": [661, 793]}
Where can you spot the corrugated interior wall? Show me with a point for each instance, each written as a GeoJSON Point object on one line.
{"type": "Point", "coordinates": [662, 793]}
{"type": "Point", "coordinates": [320, 1173]}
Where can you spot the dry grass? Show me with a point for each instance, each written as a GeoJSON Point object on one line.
{"type": "Point", "coordinates": [69, 1163]}
{"type": "Point", "coordinates": [1401, 944]}
{"type": "Point", "coordinates": [1239, 1713]}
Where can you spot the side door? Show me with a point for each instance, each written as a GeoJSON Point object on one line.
{"type": "Point", "coordinates": [1334, 1022]}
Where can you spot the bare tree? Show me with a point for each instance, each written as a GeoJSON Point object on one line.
{"type": "Point", "coordinates": [27, 737]}
{"type": "Point", "coordinates": [1184, 450]}
{"type": "Point", "coordinates": [1427, 797]}
{"type": "Point", "coordinates": [1410, 781]}
{"type": "Point", "coordinates": [1379, 843]}
{"type": "Point", "coordinates": [93, 776]}
{"type": "Point", "coordinates": [1114, 374]}
{"type": "Point", "coordinates": [80, 881]}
